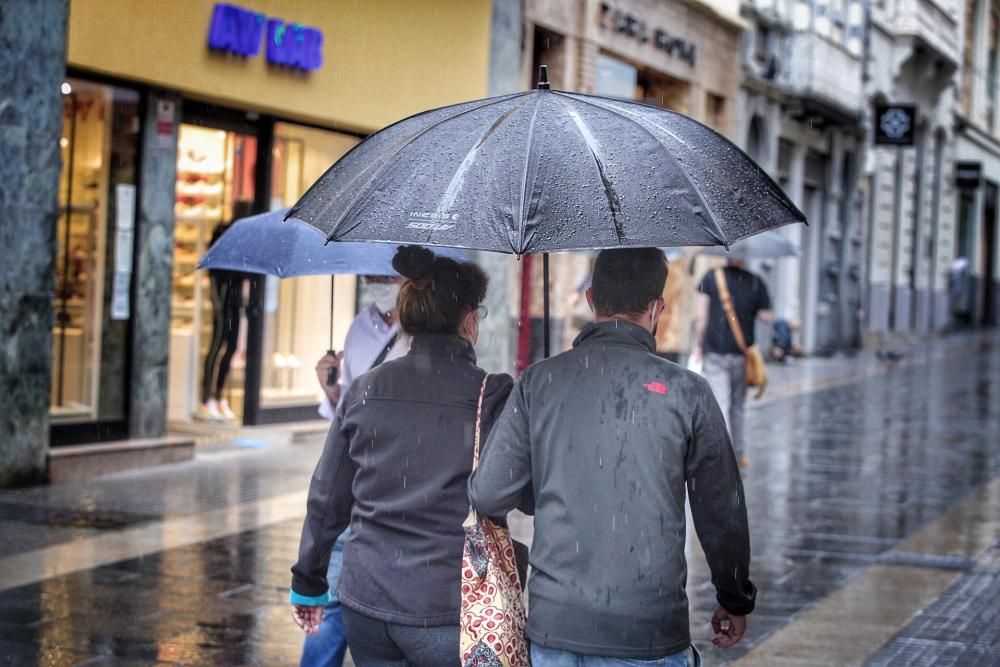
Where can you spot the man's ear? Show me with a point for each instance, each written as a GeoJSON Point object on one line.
{"type": "Point", "coordinates": [590, 298]}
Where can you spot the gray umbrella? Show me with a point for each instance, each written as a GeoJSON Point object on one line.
{"type": "Point", "coordinates": [546, 170]}
{"type": "Point", "coordinates": [766, 245]}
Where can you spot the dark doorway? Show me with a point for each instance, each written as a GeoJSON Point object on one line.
{"type": "Point", "coordinates": [987, 291]}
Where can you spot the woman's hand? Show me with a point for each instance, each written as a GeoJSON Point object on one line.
{"type": "Point", "coordinates": [308, 618]}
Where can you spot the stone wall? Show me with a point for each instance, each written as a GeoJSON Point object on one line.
{"type": "Point", "coordinates": [154, 259]}
{"type": "Point", "coordinates": [32, 68]}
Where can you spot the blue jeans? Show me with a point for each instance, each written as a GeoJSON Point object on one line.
{"type": "Point", "coordinates": [328, 646]}
{"type": "Point", "coordinates": [547, 657]}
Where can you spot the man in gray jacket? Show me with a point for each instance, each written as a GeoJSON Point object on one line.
{"type": "Point", "coordinates": [608, 435]}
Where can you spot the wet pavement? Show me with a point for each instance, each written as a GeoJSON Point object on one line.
{"type": "Point", "coordinates": [854, 465]}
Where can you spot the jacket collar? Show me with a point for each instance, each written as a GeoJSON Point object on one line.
{"type": "Point", "coordinates": [616, 332]}
{"type": "Point", "coordinates": [443, 345]}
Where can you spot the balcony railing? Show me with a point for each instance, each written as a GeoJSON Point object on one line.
{"type": "Point", "coordinates": [816, 68]}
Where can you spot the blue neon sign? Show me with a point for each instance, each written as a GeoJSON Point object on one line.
{"type": "Point", "coordinates": [240, 31]}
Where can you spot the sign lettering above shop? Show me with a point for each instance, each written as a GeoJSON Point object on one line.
{"type": "Point", "coordinates": [240, 31]}
{"type": "Point", "coordinates": [629, 25]}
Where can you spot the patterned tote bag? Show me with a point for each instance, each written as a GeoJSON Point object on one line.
{"type": "Point", "coordinates": [492, 617]}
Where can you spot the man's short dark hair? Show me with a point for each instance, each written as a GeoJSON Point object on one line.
{"type": "Point", "coordinates": [626, 280]}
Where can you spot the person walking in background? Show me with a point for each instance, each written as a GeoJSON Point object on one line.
{"type": "Point", "coordinates": [395, 467]}
{"type": "Point", "coordinates": [372, 338]}
{"type": "Point", "coordinates": [724, 362]}
{"type": "Point", "coordinates": [607, 436]}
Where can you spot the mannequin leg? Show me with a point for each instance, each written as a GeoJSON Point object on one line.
{"type": "Point", "coordinates": [219, 296]}
{"type": "Point", "coordinates": [230, 337]}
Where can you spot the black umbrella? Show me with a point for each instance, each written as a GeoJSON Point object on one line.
{"type": "Point", "coordinates": [546, 170]}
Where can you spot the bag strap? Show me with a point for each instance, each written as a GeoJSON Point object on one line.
{"type": "Point", "coordinates": [479, 422]}
{"type": "Point", "coordinates": [727, 305]}
{"type": "Point", "coordinates": [385, 351]}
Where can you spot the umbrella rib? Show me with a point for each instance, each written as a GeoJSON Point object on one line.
{"type": "Point", "coordinates": [717, 232]}
{"type": "Point", "coordinates": [458, 178]}
{"type": "Point", "coordinates": [614, 203]}
{"type": "Point", "coordinates": [524, 183]}
{"type": "Point", "coordinates": [406, 144]}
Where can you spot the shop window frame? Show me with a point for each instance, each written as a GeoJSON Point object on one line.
{"type": "Point", "coordinates": [63, 433]}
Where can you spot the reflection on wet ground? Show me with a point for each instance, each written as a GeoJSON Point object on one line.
{"type": "Point", "coordinates": [840, 476]}
{"type": "Point", "coordinates": [837, 478]}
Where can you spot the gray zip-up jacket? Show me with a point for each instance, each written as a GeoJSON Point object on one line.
{"type": "Point", "coordinates": [396, 466]}
{"type": "Point", "coordinates": [609, 435]}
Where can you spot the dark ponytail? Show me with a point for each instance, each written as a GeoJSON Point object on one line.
{"type": "Point", "coordinates": [438, 291]}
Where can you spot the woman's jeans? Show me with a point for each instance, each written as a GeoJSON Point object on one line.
{"type": "Point", "coordinates": [546, 657]}
{"type": "Point", "coordinates": [375, 643]}
{"type": "Point", "coordinates": [328, 646]}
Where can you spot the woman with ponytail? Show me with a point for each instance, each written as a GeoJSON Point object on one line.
{"type": "Point", "coordinates": [395, 469]}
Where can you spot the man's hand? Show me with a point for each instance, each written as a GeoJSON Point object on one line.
{"type": "Point", "coordinates": [729, 628]}
{"type": "Point", "coordinates": [323, 366]}
{"type": "Point", "coordinates": [307, 618]}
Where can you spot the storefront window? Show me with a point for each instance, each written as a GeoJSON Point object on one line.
{"type": "Point", "coordinates": [215, 185]}
{"type": "Point", "coordinates": [298, 311]}
{"type": "Point", "coordinates": [616, 78]}
{"type": "Point", "coordinates": [93, 265]}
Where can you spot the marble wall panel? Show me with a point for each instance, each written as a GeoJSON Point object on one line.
{"type": "Point", "coordinates": [153, 279]}
{"type": "Point", "coordinates": [32, 69]}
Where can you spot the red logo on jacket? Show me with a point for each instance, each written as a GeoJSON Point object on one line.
{"type": "Point", "coordinates": [656, 387]}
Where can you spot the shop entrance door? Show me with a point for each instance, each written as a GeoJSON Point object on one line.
{"type": "Point", "coordinates": [216, 179]}
{"type": "Point", "coordinates": [987, 251]}
{"type": "Point", "coordinates": [93, 264]}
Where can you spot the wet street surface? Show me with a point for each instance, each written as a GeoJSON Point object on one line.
{"type": "Point", "coordinates": [872, 476]}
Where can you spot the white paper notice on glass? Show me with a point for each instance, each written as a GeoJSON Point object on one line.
{"type": "Point", "coordinates": [124, 206]}
{"type": "Point", "coordinates": [123, 251]}
{"type": "Point", "coordinates": [121, 303]}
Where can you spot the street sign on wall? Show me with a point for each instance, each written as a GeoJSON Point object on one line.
{"type": "Point", "coordinates": [895, 124]}
{"type": "Point", "coordinates": [968, 174]}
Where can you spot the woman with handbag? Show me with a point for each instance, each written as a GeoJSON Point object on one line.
{"type": "Point", "coordinates": [395, 468]}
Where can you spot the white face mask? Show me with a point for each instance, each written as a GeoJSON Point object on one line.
{"type": "Point", "coordinates": [384, 295]}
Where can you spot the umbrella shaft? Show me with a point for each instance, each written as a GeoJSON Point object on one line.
{"type": "Point", "coordinates": [546, 333]}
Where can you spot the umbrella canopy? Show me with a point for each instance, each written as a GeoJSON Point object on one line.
{"type": "Point", "coordinates": [265, 244]}
{"type": "Point", "coordinates": [546, 170]}
{"type": "Point", "coordinates": [766, 245]}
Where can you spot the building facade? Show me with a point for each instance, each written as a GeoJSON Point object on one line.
{"type": "Point", "coordinates": [975, 275]}
{"type": "Point", "coordinates": [914, 60]}
{"type": "Point", "coordinates": [801, 117]}
{"type": "Point", "coordinates": [192, 116]}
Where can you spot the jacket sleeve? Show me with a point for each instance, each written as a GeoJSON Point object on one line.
{"type": "Point", "coordinates": [718, 505]}
{"type": "Point", "coordinates": [503, 477]}
{"type": "Point", "coordinates": [328, 513]}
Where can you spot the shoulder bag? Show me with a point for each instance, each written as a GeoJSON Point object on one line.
{"type": "Point", "coordinates": [492, 618]}
{"type": "Point", "coordinates": [756, 373]}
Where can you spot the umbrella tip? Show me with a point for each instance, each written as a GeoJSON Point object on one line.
{"type": "Point", "coordinates": [543, 77]}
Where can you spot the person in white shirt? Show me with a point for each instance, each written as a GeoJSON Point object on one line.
{"type": "Point", "coordinates": [373, 337]}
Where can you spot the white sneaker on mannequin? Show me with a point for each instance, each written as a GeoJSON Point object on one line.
{"type": "Point", "coordinates": [226, 411]}
{"type": "Point", "coordinates": [209, 412]}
